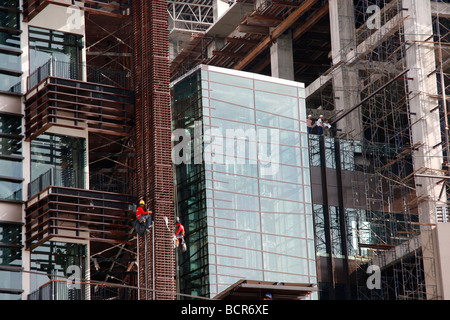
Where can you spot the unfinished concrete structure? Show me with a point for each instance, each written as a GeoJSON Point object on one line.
{"type": "Point", "coordinates": [378, 71]}
{"type": "Point", "coordinates": [77, 94]}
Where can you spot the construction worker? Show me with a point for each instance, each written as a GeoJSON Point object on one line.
{"type": "Point", "coordinates": [143, 216]}
{"type": "Point", "coordinates": [180, 229]}
{"type": "Point", "coordinates": [309, 124]}
{"type": "Point", "coordinates": [179, 235]}
{"type": "Point", "coordinates": [320, 125]}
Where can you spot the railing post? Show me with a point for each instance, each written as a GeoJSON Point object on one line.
{"type": "Point", "coordinates": [444, 214]}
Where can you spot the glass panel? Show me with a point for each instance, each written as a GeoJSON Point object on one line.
{"type": "Point", "coordinates": [284, 224]}
{"type": "Point", "coordinates": [238, 238]}
{"type": "Point", "coordinates": [10, 61]}
{"type": "Point", "coordinates": [10, 4]}
{"type": "Point", "coordinates": [281, 190]}
{"type": "Point", "coordinates": [284, 245]}
{"type": "Point", "coordinates": [288, 174]}
{"type": "Point", "coordinates": [273, 120]}
{"type": "Point", "coordinates": [240, 96]}
{"type": "Point", "coordinates": [9, 39]}
{"type": "Point", "coordinates": [10, 296]}
{"type": "Point", "coordinates": [10, 147]}
{"type": "Point", "coordinates": [10, 190]}
{"type": "Point", "coordinates": [238, 169]}
{"type": "Point", "coordinates": [10, 234]}
{"type": "Point", "coordinates": [243, 220]}
{"type": "Point", "coordinates": [53, 259]}
{"type": "Point", "coordinates": [276, 205]}
{"type": "Point", "coordinates": [237, 201]}
{"type": "Point", "coordinates": [9, 19]}
{"type": "Point", "coordinates": [228, 111]}
{"type": "Point", "coordinates": [10, 168]}
{"type": "Point", "coordinates": [285, 277]}
{"type": "Point", "coordinates": [10, 255]}
{"type": "Point", "coordinates": [10, 124]}
{"type": "Point", "coordinates": [238, 257]}
{"type": "Point", "coordinates": [230, 79]}
{"type": "Point", "coordinates": [228, 182]}
{"type": "Point", "coordinates": [63, 48]}
{"type": "Point", "coordinates": [275, 87]}
{"type": "Point", "coordinates": [10, 280]}
{"type": "Point", "coordinates": [277, 104]}
{"type": "Point", "coordinates": [285, 264]}
{"type": "Point", "coordinates": [290, 155]}
{"type": "Point", "coordinates": [65, 155]}
{"type": "Point", "coordinates": [241, 273]}
{"type": "Point", "coordinates": [9, 83]}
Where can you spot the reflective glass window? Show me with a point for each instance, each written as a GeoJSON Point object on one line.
{"type": "Point", "coordinates": [11, 256]}
{"type": "Point", "coordinates": [9, 19]}
{"type": "Point", "coordinates": [284, 224]}
{"type": "Point", "coordinates": [238, 257]}
{"type": "Point", "coordinates": [276, 88]}
{"type": "Point", "coordinates": [230, 79]}
{"type": "Point", "coordinates": [11, 61]}
{"type": "Point", "coordinates": [277, 104]}
{"type": "Point", "coordinates": [285, 245]}
{"type": "Point", "coordinates": [238, 96]}
{"type": "Point", "coordinates": [281, 190]}
{"type": "Point", "coordinates": [58, 160]}
{"type": "Point", "coordinates": [273, 120]}
{"type": "Point", "coordinates": [11, 168]}
{"type": "Point", "coordinates": [243, 220]}
{"type": "Point", "coordinates": [225, 110]}
{"type": "Point", "coordinates": [10, 190]}
{"type": "Point", "coordinates": [9, 39]}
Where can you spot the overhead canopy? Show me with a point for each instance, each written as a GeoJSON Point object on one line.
{"type": "Point", "coordinates": [255, 290]}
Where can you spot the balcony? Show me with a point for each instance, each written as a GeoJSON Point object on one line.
{"type": "Point", "coordinates": [59, 290]}
{"type": "Point", "coordinates": [57, 96]}
{"type": "Point", "coordinates": [113, 8]}
{"type": "Point", "coordinates": [60, 213]}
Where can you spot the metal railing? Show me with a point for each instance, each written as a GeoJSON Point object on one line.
{"type": "Point", "coordinates": [59, 178]}
{"type": "Point", "coordinates": [59, 290]}
{"type": "Point", "coordinates": [31, 8]}
{"type": "Point", "coordinates": [74, 71]}
{"type": "Point", "coordinates": [442, 215]}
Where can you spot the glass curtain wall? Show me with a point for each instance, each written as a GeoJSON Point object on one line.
{"type": "Point", "coordinates": [10, 68]}
{"type": "Point", "coordinates": [191, 189]}
{"type": "Point", "coordinates": [255, 178]}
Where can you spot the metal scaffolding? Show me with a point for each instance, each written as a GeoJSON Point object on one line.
{"type": "Point", "coordinates": [394, 231]}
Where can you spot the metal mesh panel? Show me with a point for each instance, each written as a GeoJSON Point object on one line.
{"type": "Point", "coordinates": [153, 144]}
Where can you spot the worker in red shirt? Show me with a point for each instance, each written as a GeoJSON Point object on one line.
{"type": "Point", "coordinates": [179, 235]}
{"type": "Point", "coordinates": [143, 216]}
{"type": "Point", "coordinates": [180, 229]}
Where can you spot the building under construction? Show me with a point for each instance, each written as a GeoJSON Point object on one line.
{"type": "Point", "coordinates": [91, 92]}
